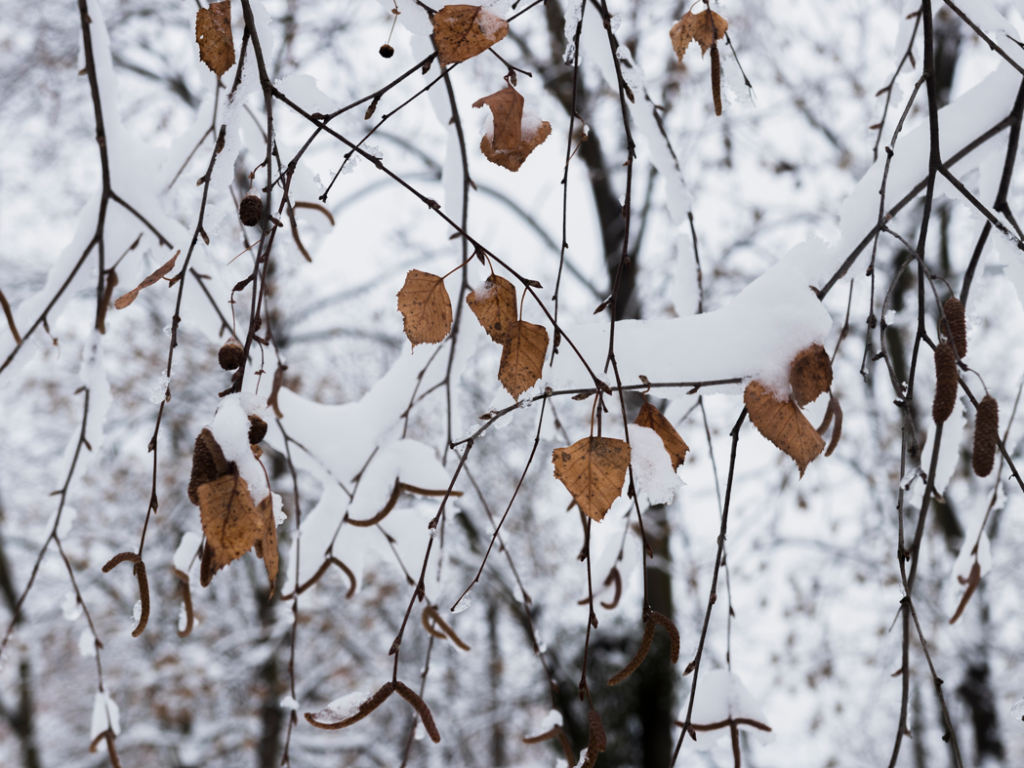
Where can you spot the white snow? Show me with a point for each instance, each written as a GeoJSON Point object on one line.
{"type": "Point", "coordinates": [230, 428]}
{"type": "Point", "coordinates": [87, 643]}
{"type": "Point", "coordinates": [949, 449]}
{"type": "Point", "coordinates": [342, 708]}
{"type": "Point", "coordinates": [71, 609]}
{"type": "Point", "coordinates": [721, 696]}
{"type": "Point", "coordinates": [105, 715]}
{"type": "Point", "coordinates": [185, 554]}
{"type": "Point", "coordinates": [652, 466]}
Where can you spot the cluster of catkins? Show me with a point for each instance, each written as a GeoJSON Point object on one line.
{"type": "Point", "coordinates": [947, 355]}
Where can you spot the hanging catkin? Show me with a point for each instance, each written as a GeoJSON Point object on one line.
{"type": "Point", "coordinates": [986, 434]}
{"type": "Point", "coordinates": [945, 382]}
{"type": "Point", "coordinates": [716, 80]}
{"type": "Point", "coordinates": [954, 312]}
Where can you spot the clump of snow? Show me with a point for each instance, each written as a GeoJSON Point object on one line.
{"type": "Point", "coordinates": [572, 19]}
{"type": "Point", "coordinates": [490, 23]}
{"type": "Point", "coordinates": [949, 450]}
{"type": "Point", "coordinates": [105, 715]}
{"type": "Point", "coordinates": [652, 466]}
{"type": "Point", "coordinates": [136, 614]}
{"type": "Point", "coordinates": [722, 696]}
{"type": "Point", "coordinates": [71, 609]}
{"type": "Point", "coordinates": [342, 708]}
{"type": "Point", "coordinates": [303, 90]}
{"type": "Point", "coordinates": [87, 643]}
{"type": "Point", "coordinates": [530, 125]}
{"type": "Point", "coordinates": [230, 428]}
{"type": "Point", "coordinates": [551, 719]}
{"type": "Point", "coordinates": [483, 291]}
{"type": "Point", "coordinates": [289, 703]}
{"type": "Point", "coordinates": [463, 605]}
{"type": "Point", "coordinates": [187, 550]}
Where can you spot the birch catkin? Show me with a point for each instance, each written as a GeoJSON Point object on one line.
{"type": "Point", "coordinates": [945, 382]}
{"type": "Point", "coordinates": [986, 435]}
{"type": "Point", "coordinates": [716, 80]}
{"type": "Point", "coordinates": [954, 312]}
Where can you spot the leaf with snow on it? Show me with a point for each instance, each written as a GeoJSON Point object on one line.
{"type": "Point", "coordinates": [494, 304]}
{"type": "Point", "coordinates": [593, 470]}
{"type": "Point", "coordinates": [651, 418]}
{"type": "Point", "coordinates": [213, 33]}
{"type": "Point", "coordinates": [507, 110]}
{"type": "Point", "coordinates": [464, 31]}
{"type": "Point", "coordinates": [425, 307]}
{"type": "Point", "coordinates": [705, 27]}
{"type": "Point", "coordinates": [513, 159]}
{"type": "Point", "coordinates": [783, 424]}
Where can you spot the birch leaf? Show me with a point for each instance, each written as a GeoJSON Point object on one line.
{"type": "Point", "coordinates": [494, 305]}
{"type": "Point", "coordinates": [522, 356]}
{"type": "Point", "coordinates": [593, 470]}
{"type": "Point", "coordinates": [507, 109]}
{"type": "Point", "coordinates": [213, 33]}
{"type": "Point", "coordinates": [230, 521]}
{"type": "Point", "coordinates": [513, 159]}
{"type": "Point", "coordinates": [783, 424]}
{"type": "Point", "coordinates": [705, 27]}
{"type": "Point", "coordinates": [464, 31]}
{"type": "Point", "coordinates": [651, 417]}
{"type": "Point", "coordinates": [810, 374]}
{"type": "Point", "coordinates": [426, 308]}
{"type": "Point", "coordinates": [129, 297]}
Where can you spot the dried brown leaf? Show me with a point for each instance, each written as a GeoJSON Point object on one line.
{"type": "Point", "coordinates": [651, 418]}
{"type": "Point", "coordinates": [810, 374]}
{"type": "Point", "coordinates": [213, 33]}
{"type": "Point", "coordinates": [783, 424]}
{"type": "Point", "coordinates": [837, 430]}
{"type": "Point", "coordinates": [230, 521]}
{"type": "Point", "coordinates": [267, 543]}
{"type": "Point", "coordinates": [129, 297]}
{"type": "Point", "coordinates": [593, 470]}
{"type": "Point", "coordinates": [507, 109]}
{"type": "Point", "coordinates": [426, 308]}
{"type": "Point", "coordinates": [464, 31]}
{"type": "Point", "coordinates": [494, 306]}
{"type": "Point", "coordinates": [705, 27]}
{"type": "Point", "coordinates": [972, 581]}
{"type": "Point", "coordinates": [522, 356]}
{"type": "Point", "coordinates": [513, 159]}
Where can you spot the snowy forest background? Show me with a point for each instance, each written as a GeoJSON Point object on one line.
{"type": "Point", "coordinates": [724, 247]}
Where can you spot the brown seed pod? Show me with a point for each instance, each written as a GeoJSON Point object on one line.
{"type": "Point", "coordinates": [364, 709]}
{"type": "Point", "coordinates": [954, 312]}
{"type": "Point", "coordinates": [231, 355]}
{"type": "Point", "coordinates": [257, 429]}
{"type": "Point", "coordinates": [387, 51]}
{"type": "Point", "coordinates": [421, 708]}
{"type": "Point", "coordinates": [139, 569]}
{"type": "Point", "coordinates": [716, 80]}
{"type": "Point", "coordinates": [673, 633]}
{"type": "Point", "coordinates": [945, 382]}
{"type": "Point", "coordinates": [641, 654]}
{"type": "Point", "coordinates": [986, 435]}
{"type": "Point", "coordinates": [598, 742]}
{"type": "Point", "coordinates": [250, 210]}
